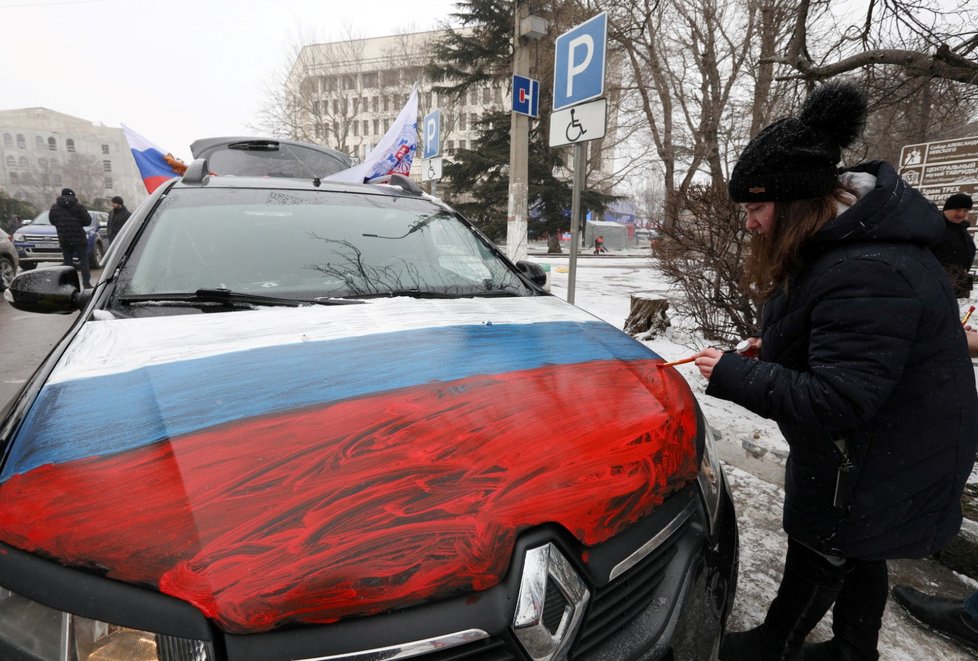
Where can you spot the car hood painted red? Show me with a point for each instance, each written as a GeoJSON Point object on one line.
{"type": "Point", "coordinates": [302, 466]}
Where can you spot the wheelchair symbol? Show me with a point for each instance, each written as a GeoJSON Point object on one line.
{"type": "Point", "coordinates": [431, 171]}
{"type": "Point", "coordinates": [574, 129]}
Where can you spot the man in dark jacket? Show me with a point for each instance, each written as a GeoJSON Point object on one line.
{"type": "Point", "coordinates": [117, 217]}
{"type": "Point", "coordinates": [70, 218]}
{"type": "Point", "coordinates": [956, 251]}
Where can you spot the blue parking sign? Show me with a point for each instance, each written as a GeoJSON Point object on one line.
{"type": "Point", "coordinates": [526, 96]}
{"type": "Point", "coordinates": [431, 140]}
{"type": "Point", "coordinates": [579, 62]}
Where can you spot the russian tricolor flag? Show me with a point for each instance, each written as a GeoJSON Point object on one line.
{"type": "Point", "coordinates": [155, 165]}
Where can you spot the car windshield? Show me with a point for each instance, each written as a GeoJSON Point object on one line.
{"type": "Point", "coordinates": [308, 245]}
{"type": "Point", "coordinates": [41, 219]}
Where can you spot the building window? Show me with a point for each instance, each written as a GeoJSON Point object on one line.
{"type": "Point", "coordinates": [349, 83]}
{"type": "Point", "coordinates": [375, 103]}
{"type": "Point", "coordinates": [21, 143]}
{"type": "Point", "coordinates": [473, 97]}
{"type": "Point", "coordinates": [56, 177]}
{"type": "Point", "coordinates": [107, 166]}
{"type": "Point", "coordinates": [8, 140]}
{"type": "Point", "coordinates": [376, 127]}
{"type": "Point", "coordinates": [70, 144]}
{"type": "Point", "coordinates": [450, 147]}
{"type": "Point", "coordinates": [105, 149]}
{"type": "Point", "coordinates": [389, 77]}
{"type": "Point", "coordinates": [52, 144]}
{"type": "Point", "coordinates": [11, 162]}
{"type": "Point", "coordinates": [366, 127]}
{"type": "Point", "coordinates": [108, 182]}
{"type": "Point", "coordinates": [23, 162]}
{"type": "Point", "coordinates": [486, 96]}
{"type": "Point", "coordinates": [13, 178]}
{"type": "Point", "coordinates": [462, 125]}
{"type": "Point", "coordinates": [42, 163]}
{"type": "Point", "coordinates": [38, 142]}
{"type": "Point", "coordinates": [370, 79]}
{"type": "Point", "coordinates": [356, 128]}
{"type": "Point", "coordinates": [461, 144]}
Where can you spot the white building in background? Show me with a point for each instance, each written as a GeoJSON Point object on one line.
{"type": "Point", "coordinates": [42, 151]}
{"type": "Point", "coordinates": [345, 94]}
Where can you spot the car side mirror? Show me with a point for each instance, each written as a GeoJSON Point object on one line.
{"type": "Point", "coordinates": [534, 272]}
{"type": "Point", "coordinates": [48, 290]}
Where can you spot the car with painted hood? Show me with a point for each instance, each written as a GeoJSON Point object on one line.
{"type": "Point", "coordinates": [335, 422]}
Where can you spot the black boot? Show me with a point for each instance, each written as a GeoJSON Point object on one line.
{"type": "Point", "coordinates": [945, 616]}
{"type": "Point", "coordinates": [833, 650]}
{"type": "Point", "coordinates": [751, 645]}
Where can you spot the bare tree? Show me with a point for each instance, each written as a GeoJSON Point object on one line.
{"type": "Point", "coordinates": [83, 173]}
{"type": "Point", "coordinates": [923, 38]}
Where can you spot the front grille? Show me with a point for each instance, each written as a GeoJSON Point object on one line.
{"type": "Point", "coordinates": [489, 649]}
{"type": "Point", "coordinates": [553, 608]}
{"type": "Point", "coordinates": [613, 606]}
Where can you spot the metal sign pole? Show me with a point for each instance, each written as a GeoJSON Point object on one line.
{"type": "Point", "coordinates": [575, 217]}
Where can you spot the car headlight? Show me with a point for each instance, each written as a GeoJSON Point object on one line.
{"type": "Point", "coordinates": [18, 236]}
{"type": "Point", "coordinates": [710, 478]}
{"type": "Point", "coordinates": [30, 631]}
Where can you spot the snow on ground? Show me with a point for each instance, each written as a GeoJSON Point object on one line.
{"type": "Point", "coordinates": [753, 452]}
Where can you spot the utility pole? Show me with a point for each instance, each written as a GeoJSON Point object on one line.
{"type": "Point", "coordinates": [519, 131]}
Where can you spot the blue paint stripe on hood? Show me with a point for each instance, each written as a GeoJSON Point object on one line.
{"type": "Point", "coordinates": [112, 413]}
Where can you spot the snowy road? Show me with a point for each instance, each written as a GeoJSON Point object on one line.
{"type": "Point", "coordinates": [603, 287]}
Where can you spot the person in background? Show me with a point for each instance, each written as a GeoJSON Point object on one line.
{"type": "Point", "coordinates": [864, 366]}
{"type": "Point", "coordinates": [956, 250]}
{"type": "Point", "coordinates": [599, 245]}
{"type": "Point", "coordinates": [117, 217]}
{"type": "Point", "coordinates": [70, 219]}
{"type": "Point", "coordinates": [955, 618]}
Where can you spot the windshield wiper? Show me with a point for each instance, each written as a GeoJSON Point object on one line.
{"type": "Point", "coordinates": [228, 298]}
{"type": "Point", "coordinates": [418, 293]}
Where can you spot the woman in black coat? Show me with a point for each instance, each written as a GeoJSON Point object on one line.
{"type": "Point", "coordinates": [864, 365]}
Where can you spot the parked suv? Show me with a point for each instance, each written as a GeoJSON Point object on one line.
{"type": "Point", "coordinates": [37, 241]}
{"type": "Point", "coordinates": [335, 423]}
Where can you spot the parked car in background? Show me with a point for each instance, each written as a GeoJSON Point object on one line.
{"type": "Point", "coordinates": [336, 423]}
{"type": "Point", "coordinates": [8, 261]}
{"type": "Point", "coordinates": [37, 241]}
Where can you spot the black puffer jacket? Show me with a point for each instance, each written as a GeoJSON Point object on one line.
{"type": "Point", "coordinates": [867, 346]}
{"type": "Point", "coordinates": [70, 218]}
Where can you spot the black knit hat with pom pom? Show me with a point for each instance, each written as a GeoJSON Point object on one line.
{"type": "Point", "coordinates": [796, 158]}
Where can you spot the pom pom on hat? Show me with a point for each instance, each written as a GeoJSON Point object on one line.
{"type": "Point", "coordinates": [796, 158]}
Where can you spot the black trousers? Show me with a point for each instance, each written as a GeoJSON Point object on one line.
{"type": "Point", "coordinates": [813, 582]}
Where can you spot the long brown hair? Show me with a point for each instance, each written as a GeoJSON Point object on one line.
{"type": "Point", "coordinates": [776, 254]}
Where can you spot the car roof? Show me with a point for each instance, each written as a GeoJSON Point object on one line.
{"type": "Point", "coordinates": [281, 183]}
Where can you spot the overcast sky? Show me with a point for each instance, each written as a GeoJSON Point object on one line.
{"type": "Point", "coordinates": [178, 70]}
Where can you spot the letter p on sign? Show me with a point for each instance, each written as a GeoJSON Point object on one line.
{"type": "Point", "coordinates": [586, 42]}
{"type": "Point", "coordinates": [579, 62]}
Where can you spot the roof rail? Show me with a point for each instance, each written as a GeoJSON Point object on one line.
{"type": "Point", "coordinates": [197, 172]}
{"type": "Point", "coordinates": [398, 180]}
